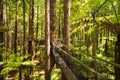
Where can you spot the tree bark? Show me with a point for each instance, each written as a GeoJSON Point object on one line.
{"type": "Point", "coordinates": [1, 36]}
{"type": "Point", "coordinates": [31, 35]}
{"type": "Point", "coordinates": [66, 28]}
{"type": "Point", "coordinates": [66, 32]}
{"type": "Point", "coordinates": [47, 38]}
{"type": "Point", "coordinates": [31, 29]}
{"type": "Point", "coordinates": [24, 29]}
{"type": "Point", "coordinates": [117, 58]}
{"type": "Point", "coordinates": [1, 23]}
{"type": "Point", "coordinates": [50, 35]}
{"type": "Point", "coordinates": [37, 27]}
{"type": "Point", "coordinates": [16, 25]}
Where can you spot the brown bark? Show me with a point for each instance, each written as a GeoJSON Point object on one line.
{"type": "Point", "coordinates": [31, 35]}
{"type": "Point", "coordinates": [66, 28]}
{"type": "Point", "coordinates": [47, 39]}
{"type": "Point", "coordinates": [1, 36]}
{"type": "Point", "coordinates": [31, 29]}
{"type": "Point", "coordinates": [16, 25]}
{"type": "Point", "coordinates": [52, 20]}
{"type": "Point", "coordinates": [1, 22]}
{"type": "Point", "coordinates": [52, 31]}
{"type": "Point", "coordinates": [66, 32]}
{"type": "Point", "coordinates": [37, 27]}
{"type": "Point", "coordinates": [50, 35]}
{"type": "Point", "coordinates": [24, 29]}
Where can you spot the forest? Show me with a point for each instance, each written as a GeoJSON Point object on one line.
{"type": "Point", "coordinates": [59, 39]}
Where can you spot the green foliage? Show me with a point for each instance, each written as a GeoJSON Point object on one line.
{"type": "Point", "coordinates": [56, 75]}
{"type": "Point", "coordinates": [14, 62]}
{"type": "Point", "coordinates": [28, 63]}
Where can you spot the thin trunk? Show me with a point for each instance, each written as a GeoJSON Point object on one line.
{"type": "Point", "coordinates": [94, 46]}
{"type": "Point", "coordinates": [1, 22]}
{"type": "Point", "coordinates": [47, 38]}
{"type": "Point", "coordinates": [52, 31]}
{"type": "Point", "coordinates": [10, 34]}
{"type": "Point", "coordinates": [31, 29]}
{"type": "Point", "coordinates": [31, 35]}
{"type": "Point", "coordinates": [16, 25]}
{"type": "Point", "coordinates": [1, 36]}
{"type": "Point", "coordinates": [24, 29]}
{"type": "Point", "coordinates": [37, 27]}
{"type": "Point", "coordinates": [59, 22]}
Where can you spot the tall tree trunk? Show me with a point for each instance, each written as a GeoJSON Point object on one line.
{"type": "Point", "coordinates": [47, 39]}
{"type": "Point", "coordinates": [66, 28]}
{"type": "Point", "coordinates": [16, 25]}
{"type": "Point", "coordinates": [53, 20]}
{"type": "Point", "coordinates": [31, 29]}
{"type": "Point", "coordinates": [52, 31]}
{"type": "Point", "coordinates": [1, 36]}
{"type": "Point", "coordinates": [50, 35]}
{"type": "Point", "coordinates": [117, 58]}
{"type": "Point", "coordinates": [24, 29]}
{"type": "Point", "coordinates": [1, 25]}
{"type": "Point", "coordinates": [66, 31]}
{"type": "Point", "coordinates": [37, 27]}
{"type": "Point", "coordinates": [31, 34]}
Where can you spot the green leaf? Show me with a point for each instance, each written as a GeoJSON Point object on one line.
{"type": "Point", "coordinates": [28, 63]}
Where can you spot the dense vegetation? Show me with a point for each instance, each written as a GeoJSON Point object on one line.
{"type": "Point", "coordinates": [93, 38]}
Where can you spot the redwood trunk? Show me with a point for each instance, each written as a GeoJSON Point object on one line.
{"type": "Point", "coordinates": [66, 32]}
{"type": "Point", "coordinates": [66, 28]}
{"type": "Point", "coordinates": [50, 35]}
